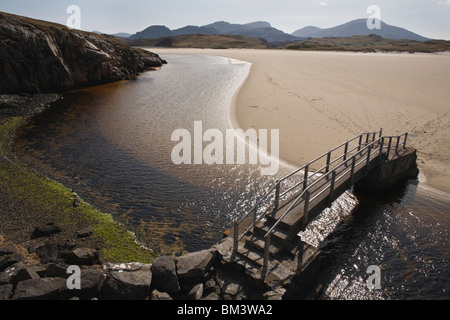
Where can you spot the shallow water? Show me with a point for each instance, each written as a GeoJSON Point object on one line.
{"type": "Point", "coordinates": [404, 233]}
{"type": "Point", "coordinates": [112, 145]}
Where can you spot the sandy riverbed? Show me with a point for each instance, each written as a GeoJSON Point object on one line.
{"type": "Point", "coordinates": [321, 99]}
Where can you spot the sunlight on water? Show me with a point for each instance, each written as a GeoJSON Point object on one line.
{"type": "Point", "coordinates": [405, 234]}
{"type": "Point", "coordinates": [324, 225]}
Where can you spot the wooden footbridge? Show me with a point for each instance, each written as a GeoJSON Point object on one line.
{"type": "Point", "coordinates": [271, 227]}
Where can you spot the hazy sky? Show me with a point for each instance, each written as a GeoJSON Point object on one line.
{"type": "Point", "coordinates": [430, 18]}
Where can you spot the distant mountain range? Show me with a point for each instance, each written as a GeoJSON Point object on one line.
{"type": "Point", "coordinates": [263, 30]}
{"type": "Point", "coordinates": [358, 28]}
{"type": "Point", "coordinates": [259, 29]}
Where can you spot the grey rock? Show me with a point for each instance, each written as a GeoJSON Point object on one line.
{"type": "Point", "coordinates": [7, 250]}
{"type": "Point", "coordinates": [276, 294]}
{"type": "Point", "coordinates": [82, 256]}
{"type": "Point", "coordinates": [164, 275]}
{"type": "Point", "coordinates": [8, 260]}
{"type": "Point", "coordinates": [231, 285]}
{"type": "Point", "coordinates": [85, 232]}
{"type": "Point", "coordinates": [128, 284]}
{"type": "Point", "coordinates": [4, 278]}
{"type": "Point", "coordinates": [45, 231]}
{"type": "Point", "coordinates": [158, 295]}
{"type": "Point", "coordinates": [196, 292]}
{"type": "Point", "coordinates": [211, 297]}
{"type": "Point", "coordinates": [211, 286]}
{"type": "Point", "coordinates": [48, 252]}
{"type": "Point", "coordinates": [57, 270]}
{"type": "Point", "coordinates": [6, 291]}
{"type": "Point", "coordinates": [20, 272]}
{"type": "Point", "coordinates": [195, 265]}
{"type": "Point", "coordinates": [40, 289]}
{"type": "Point", "coordinates": [91, 282]}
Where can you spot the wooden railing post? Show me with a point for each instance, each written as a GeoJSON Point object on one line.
{"type": "Point", "coordinates": [328, 162]}
{"type": "Point", "coordinates": [389, 147]}
{"type": "Point", "coordinates": [406, 138]}
{"type": "Point", "coordinates": [381, 148]}
{"type": "Point", "coordinates": [398, 144]}
{"type": "Point", "coordinates": [235, 236]}
{"type": "Point", "coordinates": [360, 142]}
{"type": "Point", "coordinates": [306, 210]}
{"type": "Point", "coordinates": [369, 151]}
{"type": "Point", "coordinates": [305, 177]}
{"type": "Point", "coordinates": [277, 194]}
{"type": "Point", "coordinates": [333, 182]}
{"type": "Point", "coordinates": [266, 251]}
{"type": "Point", "coordinates": [346, 151]}
{"type": "Point", "coordinates": [352, 175]}
{"type": "Point", "coordinates": [255, 212]}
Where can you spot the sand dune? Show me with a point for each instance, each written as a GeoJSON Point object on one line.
{"type": "Point", "coordinates": [321, 99]}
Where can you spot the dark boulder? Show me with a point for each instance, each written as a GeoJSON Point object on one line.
{"type": "Point", "coordinates": [129, 283]}
{"type": "Point", "coordinates": [195, 265]}
{"type": "Point", "coordinates": [40, 289]}
{"type": "Point", "coordinates": [196, 292]}
{"type": "Point", "coordinates": [5, 291]}
{"type": "Point", "coordinates": [164, 275]}
{"type": "Point", "coordinates": [82, 256]}
{"type": "Point", "coordinates": [54, 251]}
{"type": "Point", "coordinates": [85, 232]}
{"type": "Point", "coordinates": [158, 295]}
{"type": "Point", "coordinates": [91, 282]}
{"type": "Point", "coordinates": [45, 231]}
{"type": "Point", "coordinates": [8, 260]}
{"type": "Point", "coordinates": [48, 252]}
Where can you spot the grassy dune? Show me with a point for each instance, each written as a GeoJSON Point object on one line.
{"type": "Point", "coordinates": [371, 43]}
{"type": "Point", "coordinates": [203, 41]}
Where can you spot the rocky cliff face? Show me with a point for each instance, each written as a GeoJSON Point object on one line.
{"type": "Point", "coordinates": [40, 57]}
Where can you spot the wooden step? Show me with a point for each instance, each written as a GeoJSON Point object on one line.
{"type": "Point", "coordinates": [251, 255]}
{"type": "Point", "coordinates": [292, 219]}
{"type": "Point", "coordinates": [279, 235]}
{"type": "Point", "coordinates": [258, 243]}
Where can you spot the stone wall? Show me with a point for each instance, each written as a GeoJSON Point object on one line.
{"type": "Point", "coordinates": [199, 275]}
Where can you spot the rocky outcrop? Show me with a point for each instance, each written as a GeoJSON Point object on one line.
{"type": "Point", "coordinates": [195, 276]}
{"type": "Point", "coordinates": [42, 57]}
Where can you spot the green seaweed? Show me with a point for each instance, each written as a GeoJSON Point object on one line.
{"type": "Point", "coordinates": [53, 199]}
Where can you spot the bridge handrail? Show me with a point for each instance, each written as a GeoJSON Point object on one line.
{"type": "Point", "coordinates": [305, 168]}
{"type": "Point", "coordinates": [306, 194]}
{"type": "Point", "coordinates": [316, 182]}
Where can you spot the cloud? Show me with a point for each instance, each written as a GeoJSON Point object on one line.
{"type": "Point", "coordinates": [444, 3]}
{"type": "Point", "coordinates": [324, 4]}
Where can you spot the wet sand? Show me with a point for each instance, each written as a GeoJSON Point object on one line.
{"type": "Point", "coordinates": [321, 99]}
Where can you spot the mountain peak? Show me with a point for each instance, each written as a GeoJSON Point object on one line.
{"type": "Point", "coordinates": [263, 30]}
{"type": "Point", "coordinates": [257, 29]}
{"type": "Point", "coordinates": [155, 31]}
{"type": "Point", "coordinates": [358, 27]}
{"type": "Point", "coordinates": [257, 24]}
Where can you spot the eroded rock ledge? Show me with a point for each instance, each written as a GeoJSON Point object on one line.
{"type": "Point", "coordinates": [43, 57]}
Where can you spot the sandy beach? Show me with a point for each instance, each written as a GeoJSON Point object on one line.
{"type": "Point", "coordinates": [321, 99]}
